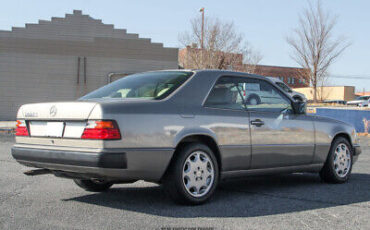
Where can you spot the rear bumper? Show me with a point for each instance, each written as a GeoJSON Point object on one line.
{"type": "Point", "coordinates": [115, 164]}
{"type": "Point", "coordinates": [74, 158]}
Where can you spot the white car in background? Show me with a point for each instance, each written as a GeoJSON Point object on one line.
{"type": "Point", "coordinates": [295, 95]}
{"type": "Point", "coordinates": [360, 101]}
{"type": "Point", "coordinates": [256, 93]}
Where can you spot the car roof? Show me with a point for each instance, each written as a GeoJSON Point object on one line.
{"type": "Point", "coordinates": [218, 72]}
{"type": "Point", "coordinates": [215, 73]}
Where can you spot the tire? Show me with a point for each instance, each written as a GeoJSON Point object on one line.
{"type": "Point", "coordinates": [93, 186]}
{"type": "Point", "coordinates": [253, 99]}
{"type": "Point", "coordinates": [192, 176]}
{"type": "Point", "coordinates": [338, 165]}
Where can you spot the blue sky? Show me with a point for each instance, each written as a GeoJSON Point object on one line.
{"type": "Point", "coordinates": [265, 24]}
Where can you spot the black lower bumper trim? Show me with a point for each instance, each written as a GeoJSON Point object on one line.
{"type": "Point", "coordinates": [89, 159]}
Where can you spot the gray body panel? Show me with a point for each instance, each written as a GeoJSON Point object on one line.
{"type": "Point", "coordinates": [284, 140]}
{"type": "Point", "coordinates": [285, 143]}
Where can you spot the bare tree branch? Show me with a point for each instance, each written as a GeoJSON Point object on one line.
{"type": "Point", "coordinates": [224, 47]}
{"type": "Point", "coordinates": [313, 46]}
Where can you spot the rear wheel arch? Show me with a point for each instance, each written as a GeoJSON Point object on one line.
{"type": "Point", "coordinates": [197, 138]}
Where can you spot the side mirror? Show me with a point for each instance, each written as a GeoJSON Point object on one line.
{"type": "Point", "coordinates": [299, 107]}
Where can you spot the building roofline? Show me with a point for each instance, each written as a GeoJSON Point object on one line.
{"type": "Point", "coordinates": [284, 67]}
{"type": "Point", "coordinates": [52, 22]}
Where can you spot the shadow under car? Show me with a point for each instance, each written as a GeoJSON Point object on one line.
{"type": "Point", "coordinates": [255, 196]}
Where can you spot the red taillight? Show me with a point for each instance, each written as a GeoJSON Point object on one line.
{"type": "Point", "coordinates": [101, 130]}
{"type": "Point", "coordinates": [21, 129]}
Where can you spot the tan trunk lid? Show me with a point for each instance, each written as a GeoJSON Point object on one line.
{"type": "Point", "coordinates": [56, 111]}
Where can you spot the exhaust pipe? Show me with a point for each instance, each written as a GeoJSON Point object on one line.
{"type": "Point", "coordinates": [37, 172]}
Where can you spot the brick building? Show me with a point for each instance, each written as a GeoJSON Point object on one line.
{"type": "Point", "coordinates": [294, 77]}
{"type": "Point", "coordinates": [64, 58]}
{"type": "Point", "coordinates": [189, 56]}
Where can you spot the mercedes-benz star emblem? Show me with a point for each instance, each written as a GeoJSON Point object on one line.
{"type": "Point", "coordinates": [53, 111]}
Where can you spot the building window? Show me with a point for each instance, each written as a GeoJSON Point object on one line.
{"type": "Point", "coordinates": [302, 81]}
{"type": "Point", "coordinates": [293, 80]}
{"type": "Point", "coordinates": [281, 78]}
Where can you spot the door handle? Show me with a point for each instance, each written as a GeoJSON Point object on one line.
{"type": "Point", "coordinates": [257, 122]}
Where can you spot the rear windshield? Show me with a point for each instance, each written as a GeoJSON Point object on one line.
{"type": "Point", "coordinates": [150, 85]}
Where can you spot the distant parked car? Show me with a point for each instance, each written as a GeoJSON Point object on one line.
{"type": "Point", "coordinates": [360, 101]}
{"type": "Point", "coordinates": [340, 102]}
{"type": "Point", "coordinates": [256, 94]}
{"type": "Point", "coordinates": [295, 95]}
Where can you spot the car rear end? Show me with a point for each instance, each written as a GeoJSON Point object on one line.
{"type": "Point", "coordinates": [69, 140]}
{"type": "Point", "coordinates": [105, 134]}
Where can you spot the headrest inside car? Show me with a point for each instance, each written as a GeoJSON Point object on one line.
{"type": "Point", "coordinates": [220, 96]}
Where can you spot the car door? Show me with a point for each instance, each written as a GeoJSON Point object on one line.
{"type": "Point", "coordinates": [279, 136]}
{"type": "Point", "coordinates": [225, 114]}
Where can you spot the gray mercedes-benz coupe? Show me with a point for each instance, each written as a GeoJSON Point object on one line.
{"type": "Point", "coordinates": [184, 129]}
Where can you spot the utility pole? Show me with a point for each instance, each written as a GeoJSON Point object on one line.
{"type": "Point", "coordinates": [202, 38]}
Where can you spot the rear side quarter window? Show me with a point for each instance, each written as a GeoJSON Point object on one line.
{"type": "Point", "coordinates": [226, 94]}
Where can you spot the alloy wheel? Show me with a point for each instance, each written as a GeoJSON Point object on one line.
{"type": "Point", "coordinates": [342, 160]}
{"type": "Point", "coordinates": [198, 174]}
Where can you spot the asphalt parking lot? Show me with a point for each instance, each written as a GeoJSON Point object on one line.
{"type": "Point", "coordinates": [298, 201]}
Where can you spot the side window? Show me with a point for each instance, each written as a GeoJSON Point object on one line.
{"type": "Point", "coordinates": [262, 96]}
{"type": "Point", "coordinates": [226, 94]}
{"type": "Point", "coordinates": [250, 93]}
